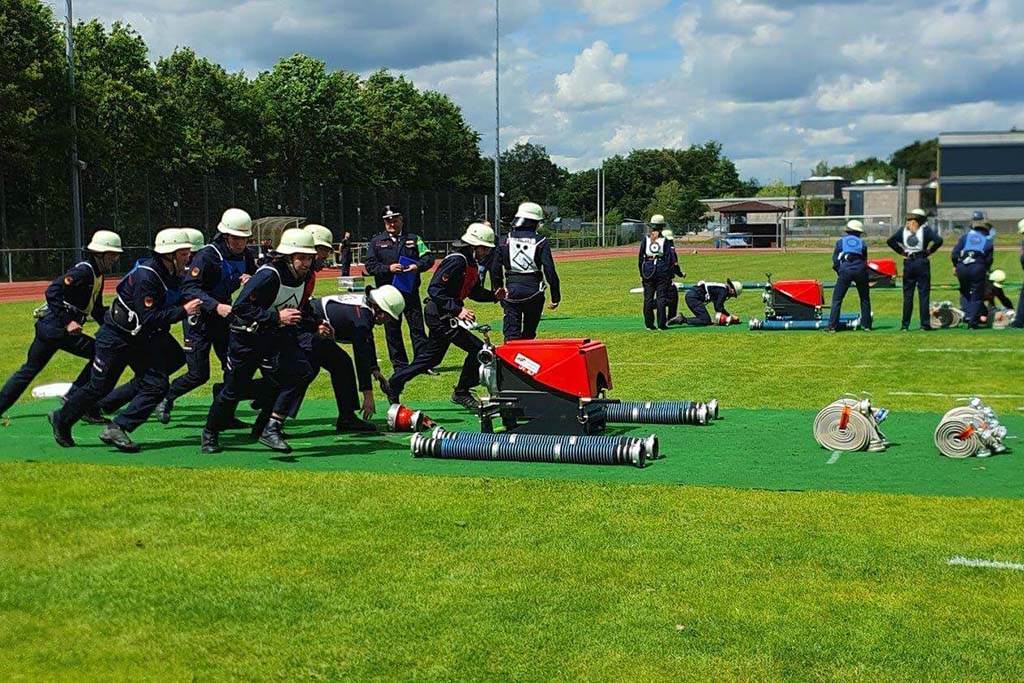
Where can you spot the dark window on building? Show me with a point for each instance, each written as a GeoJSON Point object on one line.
{"type": "Point", "coordinates": [982, 160]}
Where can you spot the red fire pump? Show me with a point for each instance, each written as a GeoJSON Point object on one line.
{"type": "Point", "coordinates": [546, 386]}
{"type": "Point", "coordinates": [882, 272]}
{"type": "Point", "coordinates": [793, 299]}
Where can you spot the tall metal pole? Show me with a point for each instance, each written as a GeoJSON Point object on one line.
{"type": "Point", "coordinates": [604, 206]}
{"type": "Point", "coordinates": [497, 121]}
{"type": "Point", "coordinates": [76, 192]}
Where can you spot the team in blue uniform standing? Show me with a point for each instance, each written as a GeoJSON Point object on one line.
{"type": "Point", "coordinates": [395, 257]}
{"type": "Point", "coordinates": [70, 299]}
{"type": "Point", "coordinates": [456, 279]}
{"type": "Point", "coordinates": [216, 271]}
{"type": "Point", "coordinates": [523, 263]}
{"type": "Point", "coordinates": [850, 261]}
{"type": "Point", "coordinates": [1018, 321]}
{"type": "Point", "coordinates": [265, 326]}
{"type": "Point", "coordinates": [656, 263]}
{"type": "Point", "coordinates": [916, 243]}
{"type": "Point", "coordinates": [135, 328]}
{"type": "Point", "coordinates": [972, 258]}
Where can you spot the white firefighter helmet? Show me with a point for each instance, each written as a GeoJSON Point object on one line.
{"type": "Point", "coordinates": [657, 219]}
{"type": "Point", "coordinates": [322, 237]}
{"type": "Point", "coordinates": [1020, 226]}
{"type": "Point", "coordinates": [736, 285]}
{"type": "Point", "coordinates": [195, 238]}
{"type": "Point", "coordinates": [855, 226]}
{"type": "Point", "coordinates": [389, 299]}
{"type": "Point", "coordinates": [531, 211]}
{"type": "Point", "coordinates": [667, 234]}
{"type": "Point", "coordinates": [235, 222]}
{"type": "Point", "coordinates": [105, 241]}
{"type": "Point", "coordinates": [479, 235]}
{"type": "Point", "coordinates": [171, 240]}
{"type": "Point", "coordinates": [296, 241]}
{"type": "Point", "coordinates": [997, 277]}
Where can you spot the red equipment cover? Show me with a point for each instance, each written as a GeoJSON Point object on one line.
{"type": "Point", "coordinates": [807, 292]}
{"type": "Point", "coordinates": [883, 266]}
{"type": "Point", "coordinates": [572, 366]}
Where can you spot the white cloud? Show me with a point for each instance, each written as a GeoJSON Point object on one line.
{"type": "Point", "coordinates": [865, 94]}
{"type": "Point", "coordinates": [595, 79]}
{"type": "Point", "coordinates": [614, 12]}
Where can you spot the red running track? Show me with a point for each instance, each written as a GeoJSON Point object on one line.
{"type": "Point", "coordinates": [33, 290]}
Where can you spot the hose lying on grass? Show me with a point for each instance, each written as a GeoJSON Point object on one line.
{"type": "Point", "coordinates": [850, 424]}
{"type": "Point", "coordinates": [972, 429]}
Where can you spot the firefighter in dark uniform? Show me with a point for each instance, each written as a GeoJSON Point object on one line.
{"type": "Point", "coordinates": [384, 254]}
{"type": "Point", "coordinates": [217, 270]}
{"type": "Point", "coordinates": [993, 293]}
{"type": "Point", "coordinates": [70, 299]}
{"type": "Point", "coordinates": [714, 293]}
{"type": "Point", "coordinates": [1018, 321]}
{"type": "Point", "coordinates": [524, 262]}
{"type": "Point", "coordinates": [672, 292]}
{"type": "Point", "coordinates": [456, 279]}
{"type": "Point", "coordinates": [135, 333]}
{"type": "Point", "coordinates": [972, 257]}
{"type": "Point", "coordinates": [916, 243]}
{"type": "Point", "coordinates": [265, 325]}
{"type": "Point", "coordinates": [850, 261]}
{"type": "Point", "coordinates": [656, 262]}
{"type": "Point", "coordinates": [351, 318]}
{"type": "Point", "coordinates": [324, 353]}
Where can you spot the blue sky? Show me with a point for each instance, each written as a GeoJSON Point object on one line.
{"type": "Point", "coordinates": [775, 80]}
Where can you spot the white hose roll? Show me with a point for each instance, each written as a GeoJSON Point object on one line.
{"type": "Point", "coordinates": [949, 441]}
{"type": "Point", "coordinates": [857, 435]}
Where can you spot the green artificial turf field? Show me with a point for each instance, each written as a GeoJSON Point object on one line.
{"type": "Point", "coordinates": [747, 554]}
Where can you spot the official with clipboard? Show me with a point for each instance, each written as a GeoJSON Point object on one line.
{"type": "Point", "coordinates": [395, 257]}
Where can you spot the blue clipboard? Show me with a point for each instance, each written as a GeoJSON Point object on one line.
{"type": "Point", "coordinates": [405, 282]}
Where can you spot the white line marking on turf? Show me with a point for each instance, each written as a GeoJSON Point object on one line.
{"type": "Point", "coordinates": [971, 349]}
{"type": "Point", "coordinates": [961, 394]}
{"type": "Point", "coordinates": [835, 456]}
{"type": "Point", "coordinates": [985, 564]}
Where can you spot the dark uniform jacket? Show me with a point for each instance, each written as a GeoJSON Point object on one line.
{"type": "Point", "coordinates": [931, 241]}
{"type": "Point", "coordinates": [530, 268]}
{"type": "Point", "coordinates": [385, 249]}
{"type": "Point", "coordinates": [973, 244]}
{"type": "Point", "coordinates": [715, 293]}
{"type": "Point", "coordinates": [844, 250]}
{"type": "Point", "coordinates": [273, 287]}
{"type": "Point", "coordinates": [352, 320]}
{"type": "Point", "coordinates": [215, 274]}
{"type": "Point", "coordinates": [152, 294]}
{"type": "Point", "coordinates": [456, 279]}
{"type": "Point", "coordinates": [77, 294]}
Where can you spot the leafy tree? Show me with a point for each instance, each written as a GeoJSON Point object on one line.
{"type": "Point", "coordinates": [860, 170]}
{"type": "Point", "coordinates": [528, 174]}
{"type": "Point", "coordinates": [820, 168]}
{"type": "Point", "coordinates": [918, 158]}
{"type": "Point", "coordinates": [775, 188]}
{"type": "Point", "coordinates": [668, 201]}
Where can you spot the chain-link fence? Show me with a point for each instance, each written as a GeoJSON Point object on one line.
{"type": "Point", "coordinates": [36, 221]}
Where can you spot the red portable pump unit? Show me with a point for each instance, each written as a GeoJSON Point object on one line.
{"type": "Point", "coordinates": [546, 386]}
{"type": "Point", "coordinates": [882, 272]}
{"type": "Point", "coordinates": [793, 299]}
{"type": "Point", "coordinates": [557, 386]}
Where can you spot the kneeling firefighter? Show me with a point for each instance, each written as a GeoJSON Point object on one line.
{"type": "Point", "coordinates": [456, 279]}
{"type": "Point", "coordinates": [524, 261]}
{"type": "Point", "coordinates": [715, 293]}
{"type": "Point", "coordinates": [135, 333]}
